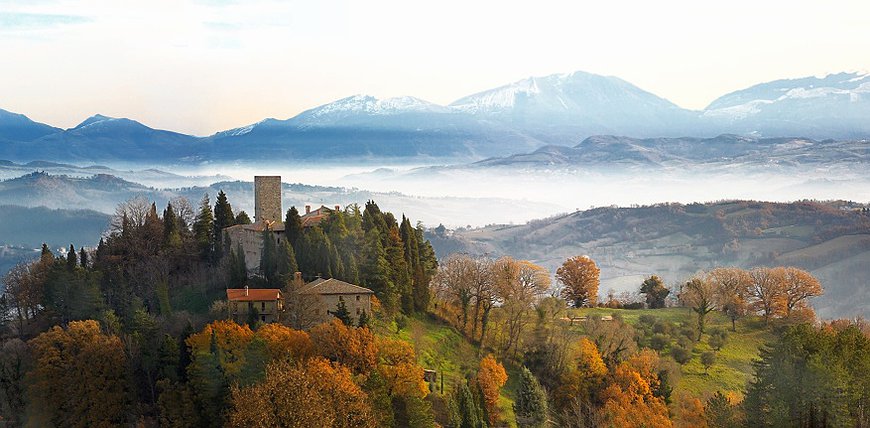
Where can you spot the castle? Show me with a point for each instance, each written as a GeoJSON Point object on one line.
{"type": "Point", "coordinates": [268, 215]}
{"type": "Point", "coordinates": [267, 304]}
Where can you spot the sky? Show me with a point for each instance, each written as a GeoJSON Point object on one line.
{"type": "Point", "coordinates": [202, 66]}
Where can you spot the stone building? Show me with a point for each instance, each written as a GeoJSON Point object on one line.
{"type": "Point", "coordinates": [329, 292]}
{"type": "Point", "coordinates": [264, 303]}
{"type": "Point", "coordinates": [268, 215]}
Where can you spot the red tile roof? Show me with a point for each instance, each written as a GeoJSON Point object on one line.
{"type": "Point", "coordinates": [254, 294]}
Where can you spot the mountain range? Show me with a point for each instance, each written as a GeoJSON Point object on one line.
{"type": "Point", "coordinates": [559, 110]}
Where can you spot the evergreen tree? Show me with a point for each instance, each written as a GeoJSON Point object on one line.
{"type": "Point", "coordinates": [203, 229]}
{"type": "Point", "coordinates": [223, 218]}
{"type": "Point", "coordinates": [374, 270]}
{"type": "Point", "coordinates": [343, 314]}
{"type": "Point", "coordinates": [399, 270]}
{"type": "Point", "coordinates": [655, 291]}
{"type": "Point", "coordinates": [243, 218]}
{"type": "Point", "coordinates": [530, 406]}
{"type": "Point", "coordinates": [83, 257]}
{"type": "Point", "coordinates": [171, 227]}
{"type": "Point", "coordinates": [71, 258]}
{"type": "Point", "coordinates": [287, 265]}
{"type": "Point", "coordinates": [268, 257]}
{"type": "Point", "coordinates": [465, 411]}
{"type": "Point", "coordinates": [292, 225]}
{"type": "Point", "coordinates": [363, 320]}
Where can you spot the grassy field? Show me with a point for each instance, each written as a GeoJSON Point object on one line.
{"type": "Point", "coordinates": [441, 347]}
{"type": "Point", "coordinates": [733, 367]}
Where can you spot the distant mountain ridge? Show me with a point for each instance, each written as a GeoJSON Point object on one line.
{"type": "Point", "coordinates": [559, 109]}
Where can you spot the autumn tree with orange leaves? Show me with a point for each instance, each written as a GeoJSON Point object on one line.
{"type": "Point", "coordinates": [79, 378]}
{"type": "Point", "coordinates": [579, 275]}
{"type": "Point", "coordinates": [299, 395]}
{"type": "Point", "coordinates": [491, 377]}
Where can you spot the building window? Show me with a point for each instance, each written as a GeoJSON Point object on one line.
{"type": "Point", "coordinates": [250, 306]}
{"type": "Point", "coordinates": [262, 306]}
{"type": "Point", "coordinates": [357, 311]}
{"type": "Point", "coordinates": [357, 298]}
{"type": "Point", "coordinates": [263, 318]}
{"type": "Point", "coordinates": [340, 298]}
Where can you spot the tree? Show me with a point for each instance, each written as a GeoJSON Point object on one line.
{"type": "Point", "coordinates": [579, 276]}
{"type": "Point", "coordinates": [343, 314]}
{"type": "Point", "coordinates": [707, 360]}
{"type": "Point", "coordinates": [79, 377]}
{"type": "Point", "coordinates": [292, 225]}
{"type": "Point", "coordinates": [629, 400]}
{"type": "Point", "coordinates": [518, 285]}
{"type": "Point", "coordinates": [731, 291]}
{"type": "Point", "coordinates": [14, 359]}
{"type": "Point", "coordinates": [465, 412]}
{"type": "Point", "coordinates": [353, 347]}
{"type": "Point", "coordinates": [720, 411]}
{"type": "Point", "coordinates": [530, 405]}
{"type": "Point", "coordinates": [718, 338]}
{"type": "Point", "coordinates": [269, 257]}
{"type": "Point", "coordinates": [700, 296]}
{"type": "Point", "coordinates": [286, 265]}
{"type": "Point", "coordinates": [491, 377]}
{"type": "Point", "coordinates": [374, 270]}
{"type": "Point", "coordinates": [71, 258]}
{"type": "Point", "coordinates": [243, 218]}
{"type": "Point", "coordinates": [655, 291]}
{"type": "Point", "coordinates": [312, 393]}
{"type": "Point", "coordinates": [203, 229]}
{"type": "Point", "coordinates": [766, 287]}
{"type": "Point", "coordinates": [223, 218]}
{"type": "Point", "coordinates": [614, 339]}
{"type": "Point", "coordinates": [798, 286]}
{"type": "Point", "coordinates": [452, 285]}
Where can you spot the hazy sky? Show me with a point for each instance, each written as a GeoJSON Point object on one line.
{"type": "Point", "coordinates": [201, 66]}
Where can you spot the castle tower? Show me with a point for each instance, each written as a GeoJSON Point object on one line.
{"type": "Point", "coordinates": [267, 198]}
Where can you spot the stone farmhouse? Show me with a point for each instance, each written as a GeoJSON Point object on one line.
{"type": "Point", "coordinates": [264, 303]}
{"type": "Point", "coordinates": [331, 292]}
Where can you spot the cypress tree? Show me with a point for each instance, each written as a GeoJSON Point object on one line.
{"type": "Point", "coordinates": [171, 229]}
{"type": "Point", "coordinates": [343, 314]}
{"type": "Point", "coordinates": [292, 225]}
{"type": "Point", "coordinates": [286, 262]}
{"type": "Point", "coordinates": [83, 257]}
{"type": "Point", "coordinates": [71, 258]}
{"type": "Point", "coordinates": [374, 270]}
{"type": "Point", "coordinates": [268, 257]}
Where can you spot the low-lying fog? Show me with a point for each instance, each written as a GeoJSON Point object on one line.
{"type": "Point", "coordinates": [480, 196]}
{"type": "Point", "coordinates": [474, 195]}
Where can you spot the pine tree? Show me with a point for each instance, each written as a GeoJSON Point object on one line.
{"type": "Point", "coordinates": [243, 218]}
{"type": "Point", "coordinates": [171, 227]}
{"type": "Point", "coordinates": [465, 412]}
{"type": "Point", "coordinates": [530, 406]}
{"type": "Point", "coordinates": [203, 229]}
{"type": "Point", "coordinates": [399, 269]}
{"type": "Point", "coordinates": [343, 314]}
{"type": "Point", "coordinates": [223, 218]}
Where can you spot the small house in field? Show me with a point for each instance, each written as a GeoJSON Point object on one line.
{"type": "Point", "coordinates": [331, 292]}
{"type": "Point", "coordinates": [263, 303]}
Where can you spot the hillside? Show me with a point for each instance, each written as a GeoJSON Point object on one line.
{"type": "Point", "coordinates": [674, 241]}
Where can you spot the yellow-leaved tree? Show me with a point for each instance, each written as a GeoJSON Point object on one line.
{"type": "Point", "coordinates": [491, 377]}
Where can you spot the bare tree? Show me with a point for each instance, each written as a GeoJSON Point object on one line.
{"type": "Point", "coordinates": [130, 213]}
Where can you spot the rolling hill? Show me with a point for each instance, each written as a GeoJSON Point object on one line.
{"type": "Point", "coordinates": [832, 240]}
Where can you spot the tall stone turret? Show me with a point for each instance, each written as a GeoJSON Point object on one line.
{"type": "Point", "coordinates": [267, 198]}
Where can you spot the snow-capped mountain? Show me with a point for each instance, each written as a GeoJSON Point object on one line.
{"type": "Point", "coordinates": [565, 106]}
{"type": "Point", "coordinates": [834, 106]}
{"type": "Point", "coordinates": [559, 109]}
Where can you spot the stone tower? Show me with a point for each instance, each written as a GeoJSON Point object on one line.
{"type": "Point", "coordinates": [267, 198]}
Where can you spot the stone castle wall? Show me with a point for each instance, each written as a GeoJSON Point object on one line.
{"type": "Point", "coordinates": [267, 199]}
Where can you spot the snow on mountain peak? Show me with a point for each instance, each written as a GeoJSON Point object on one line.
{"type": "Point", "coordinates": [368, 104]}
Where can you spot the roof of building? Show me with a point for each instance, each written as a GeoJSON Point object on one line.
{"type": "Point", "coordinates": [314, 217]}
{"type": "Point", "coordinates": [333, 286]}
{"type": "Point", "coordinates": [275, 226]}
{"type": "Point", "coordinates": [253, 294]}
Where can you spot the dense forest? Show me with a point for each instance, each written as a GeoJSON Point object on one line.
{"type": "Point", "coordinates": [135, 332]}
